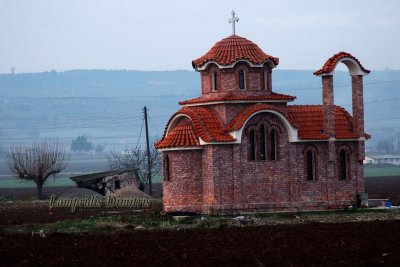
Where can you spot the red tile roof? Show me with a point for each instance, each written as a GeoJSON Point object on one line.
{"type": "Point", "coordinates": [234, 97]}
{"type": "Point", "coordinates": [330, 64]}
{"type": "Point", "coordinates": [232, 49]}
{"type": "Point", "coordinates": [308, 119]}
{"type": "Point", "coordinates": [183, 135]}
{"type": "Point", "coordinates": [241, 118]}
{"type": "Point", "coordinates": [206, 125]}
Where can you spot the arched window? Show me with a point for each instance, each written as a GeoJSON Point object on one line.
{"type": "Point", "coordinates": [252, 145]}
{"type": "Point", "coordinates": [273, 143]}
{"type": "Point", "coordinates": [262, 144]}
{"type": "Point", "coordinates": [215, 81]}
{"type": "Point", "coordinates": [262, 141]}
{"type": "Point", "coordinates": [265, 78]}
{"type": "Point", "coordinates": [343, 164]}
{"type": "Point", "coordinates": [242, 84]}
{"type": "Point", "coordinates": [310, 164]}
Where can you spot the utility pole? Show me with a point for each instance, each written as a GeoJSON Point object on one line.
{"type": "Point", "coordinates": [398, 143]}
{"type": "Point", "coordinates": [392, 145]}
{"type": "Point", "coordinates": [148, 151]}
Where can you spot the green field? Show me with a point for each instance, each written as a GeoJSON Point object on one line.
{"type": "Point", "coordinates": [10, 182]}
{"type": "Point", "coordinates": [63, 180]}
{"type": "Point", "coordinates": [17, 183]}
{"type": "Point", "coordinates": [381, 171]}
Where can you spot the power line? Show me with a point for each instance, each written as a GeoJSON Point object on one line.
{"type": "Point", "coordinates": [343, 85]}
{"type": "Point", "coordinates": [388, 119]}
{"type": "Point", "coordinates": [374, 102]}
{"type": "Point", "coordinates": [140, 134]}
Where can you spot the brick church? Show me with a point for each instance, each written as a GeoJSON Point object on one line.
{"type": "Point", "coordinates": [240, 146]}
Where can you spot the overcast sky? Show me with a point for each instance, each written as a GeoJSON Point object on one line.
{"type": "Point", "coordinates": [42, 35]}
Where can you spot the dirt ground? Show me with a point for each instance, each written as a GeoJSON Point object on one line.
{"type": "Point", "coordinates": [20, 213]}
{"type": "Point", "coordinates": [372, 243]}
{"type": "Point", "coordinates": [370, 239]}
{"type": "Point", "coordinates": [30, 193]}
{"type": "Point", "coordinates": [298, 239]}
{"type": "Point", "coordinates": [383, 187]}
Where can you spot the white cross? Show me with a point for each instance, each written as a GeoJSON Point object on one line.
{"type": "Point", "coordinates": [233, 20]}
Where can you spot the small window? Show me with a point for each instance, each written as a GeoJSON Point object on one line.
{"type": "Point", "coordinates": [273, 140]}
{"type": "Point", "coordinates": [265, 79]}
{"type": "Point", "coordinates": [252, 145]}
{"type": "Point", "coordinates": [167, 175]}
{"type": "Point", "coordinates": [310, 165]}
{"type": "Point", "coordinates": [263, 146]}
{"type": "Point", "coordinates": [215, 81]}
{"type": "Point", "coordinates": [343, 164]}
{"type": "Point", "coordinates": [241, 80]}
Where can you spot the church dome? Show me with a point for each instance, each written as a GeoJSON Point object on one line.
{"type": "Point", "coordinates": [232, 49]}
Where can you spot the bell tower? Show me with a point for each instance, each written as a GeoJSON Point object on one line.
{"type": "Point", "coordinates": [357, 71]}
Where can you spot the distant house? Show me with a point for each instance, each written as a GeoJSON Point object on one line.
{"type": "Point", "coordinates": [105, 182]}
{"type": "Point", "coordinates": [386, 159]}
{"type": "Point", "coordinates": [368, 160]}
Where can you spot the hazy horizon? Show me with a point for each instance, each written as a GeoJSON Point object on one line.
{"type": "Point", "coordinates": [44, 35]}
{"type": "Point", "coordinates": [338, 68]}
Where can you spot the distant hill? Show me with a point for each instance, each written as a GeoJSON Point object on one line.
{"type": "Point", "coordinates": [106, 104]}
{"type": "Point", "coordinates": [99, 83]}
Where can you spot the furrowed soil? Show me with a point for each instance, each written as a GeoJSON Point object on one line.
{"type": "Point", "coordinates": [346, 238]}
{"type": "Point", "coordinates": [371, 243]}
{"type": "Point", "coordinates": [349, 239]}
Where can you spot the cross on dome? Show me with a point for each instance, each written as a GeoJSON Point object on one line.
{"type": "Point", "coordinates": [232, 20]}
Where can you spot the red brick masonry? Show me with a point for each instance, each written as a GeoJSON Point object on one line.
{"type": "Point", "coordinates": [207, 146]}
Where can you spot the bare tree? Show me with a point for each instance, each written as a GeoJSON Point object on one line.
{"type": "Point", "coordinates": [37, 162]}
{"type": "Point", "coordinates": [135, 160]}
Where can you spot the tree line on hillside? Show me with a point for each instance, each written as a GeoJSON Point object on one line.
{"type": "Point", "coordinates": [81, 144]}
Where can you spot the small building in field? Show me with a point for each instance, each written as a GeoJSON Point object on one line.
{"type": "Point", "coordinates": [105, 182]}
{"type": "Point", "coordinates": [241, 146]}
{"type": "Point", "coordinates": [386, 159]}
{"type": "Point", "coordinates": [369, 160]}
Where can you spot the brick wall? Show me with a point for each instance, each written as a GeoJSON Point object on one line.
{"type": "Point", "coordinates": [358, 104]}
{"type": "Point", "coordinates": [228, 80]}
{"type": "Point", "coordinates": [220, 178]}
{"type": "Point", "coordinates": [184, 190]}
{"type": "Point", "coordinates": [328, 105]}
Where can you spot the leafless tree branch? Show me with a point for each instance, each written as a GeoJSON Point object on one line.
{"type": "Point", "coordinates": [135, 160]}
{"type": "Point", "coordinates": [37, 162]}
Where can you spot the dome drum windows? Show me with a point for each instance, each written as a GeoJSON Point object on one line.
{"type": "Point", "coordinates": [242, 80]}
{"type": "Point", "coordinates": [266, 82]}
{"type": "Point", "coordinates": [241, 72]}
{"type": "Point", "coordinates": [214, 81]}
{"type": "Point", "coordinates": [265, 79]}
{"type": "Point", "coordinates": [214, 78]}
{"type": "Point", "coordinates": [262, 143]}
